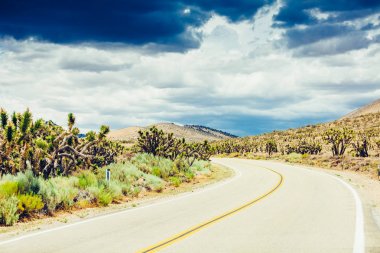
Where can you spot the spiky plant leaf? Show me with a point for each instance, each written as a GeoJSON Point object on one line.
{"type": "Point", "coordinates": [14, 119]}
{"type": "Point", "coordinates": [9, 133]}
{"type": "Point", "coordinates": [26, 121]}
{"type": "Point", "coordinates": [70, 120]}
{"type": "Point", "coordinates": [4, 118]}
{"type": "Point", "coordinates": [90, 136]}
{"type": "Point", "coordinates": [104, 130]}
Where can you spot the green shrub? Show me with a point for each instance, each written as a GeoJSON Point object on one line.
{"type": "Point", "coordinates": [93, 192]}
{"type": "Point", "coordinates": [166, 167]}
{"type": "Point", "coordinates": [135, 191]}
{"type": "Point", "coordinates": [122, 172]}
{"type": "Point", "coordinates": [29, 203]}
{"type": "Point", "coordinates": [153, 183]}
{"type": "Point", "coordinates": [100, 195]}
{"type": "Point", "coordinates": [115, 190]}
{"type": "Point", "coordinates": [189, 175]}
{"type": "Point", "coordinates": [293, 158]}
{"type": "Point", "coordinates": [201, 167]}
{"type": "Point", "coordinates": [66, 191]}
{"type": "Point", "coordinates": [86, 179]}
{"type": "Point", "coordinates": [8, 210]}
{"type": "Point", "coordinates": [8, 188]}
{"type": "Point", "coordinates": [27, 182]}
{"type": "Point", "coordinates": [150, 164]}
{"type": "Point", "coordinates": [175, 181]}
{"type": "Point", "coordinates": [179, 165]}
{"type": "Point", "coordinates": [104, 197]}
{"type": "Point", "coordinates": [125, 188]}
{"type": "Point", "coordinates": [49, 193]}
{"type": "Point", "coordinates": [83, 203]}
{"type": "Point", "coordinates": [58, 192]}
{"type": "Point", "coordinates": [156, 171]}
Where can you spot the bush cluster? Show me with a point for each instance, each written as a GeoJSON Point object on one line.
{"type": "Point", "coordinates": [25, 195]}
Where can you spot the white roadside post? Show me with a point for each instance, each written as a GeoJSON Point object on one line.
{"type": "Point", "coordinates": [108, 175]}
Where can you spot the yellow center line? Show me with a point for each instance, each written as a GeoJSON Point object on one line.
{"type": "Point", "coordinates": [186, 233]}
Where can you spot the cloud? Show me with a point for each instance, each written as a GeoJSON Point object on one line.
{"type": "Point", "coordinates": [242, 78]}
{"type": "Point", "coordinates": [296, 12]}
{"type": "Point", "coordinates": [166, 23]}
{"type": "Point", "coordinates": [329, 27]}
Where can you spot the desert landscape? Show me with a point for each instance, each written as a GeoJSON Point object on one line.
{"type": "Point", "coordinates": [190, 126]}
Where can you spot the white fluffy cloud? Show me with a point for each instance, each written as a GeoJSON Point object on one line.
{"type": "Point", "coordinates": [241, 70]}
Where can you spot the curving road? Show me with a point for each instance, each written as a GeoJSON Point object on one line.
{"type": "Point", "coordinates": [265, 207]}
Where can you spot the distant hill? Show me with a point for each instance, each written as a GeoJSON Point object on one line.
{"type": "Point", "coordinates": [192, 133]}
{"type": "Point", "coordinates": [212, 131]}
{"type": "Point", "coordinates": [373, 107]}
{"type": "Point", "coordinates": [362, 120]}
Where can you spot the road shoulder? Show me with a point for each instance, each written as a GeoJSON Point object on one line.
{"type": "Point", "coordinates": [219, 174]}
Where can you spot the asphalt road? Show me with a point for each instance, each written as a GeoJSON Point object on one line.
{"type": "Point", "coordinates": [265, 207]}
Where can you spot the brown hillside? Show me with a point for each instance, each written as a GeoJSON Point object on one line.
{"type": "Point", "coordinates": [190, 133]}
{"type": "Point", "coordinates": [373, 107]}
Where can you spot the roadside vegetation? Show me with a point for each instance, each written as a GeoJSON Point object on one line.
{"type": "Point", "coordinates": [25, 196]}
{"type": "Point", "coordinates": [351, 143]}
{"type": "Point", "coordinates": [46, 168]}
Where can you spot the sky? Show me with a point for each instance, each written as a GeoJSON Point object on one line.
{"type": "Point", "coordinates": [242, 66]}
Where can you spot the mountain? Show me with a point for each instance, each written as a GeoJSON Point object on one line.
{"type": "Point", "coordinates": [373, 107]}
{"type": "Point", "coordinates": [192, 133]}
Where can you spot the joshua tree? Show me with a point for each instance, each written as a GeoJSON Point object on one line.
{"type": "Point", "coordinates": [271, 147]}
{"type": "Point", "coordinates": [158, 143]}
{"type": "Point", "coordinates": [154, 141]}
{"type": "Point", "coordinates": [339, 138]}
{"type": "Point", "coordinates": [49, 149]}
{"type": "Point", "coordinates": [362, 143]}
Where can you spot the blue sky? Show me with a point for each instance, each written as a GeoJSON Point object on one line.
{"type": "Point", "coordinates": [241, 66]}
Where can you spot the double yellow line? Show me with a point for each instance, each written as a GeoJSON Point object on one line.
{"type": "Point", "coordinates": [184, 234]}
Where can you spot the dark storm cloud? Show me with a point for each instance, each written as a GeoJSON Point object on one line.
{"type": "Point", "coordinates": [298, 37]}
{"type": "Point", "coordinates": [346, 36]}
{"type": "Point", "coordinates": [295, 12]}
{"type": "Point", "coordinates": [134, 22]}
{"type": "Point", "coordinates": [343, 44]}
{"type": "Point", "coordinates": [235, 10]}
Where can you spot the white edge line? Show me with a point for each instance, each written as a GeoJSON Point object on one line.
{"type": "Point", "coordinates": [174, 198]}
{"type": "Point", "coordinates": [359, 242]}
{"type": "Point", "coordinates": [359, 238]}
